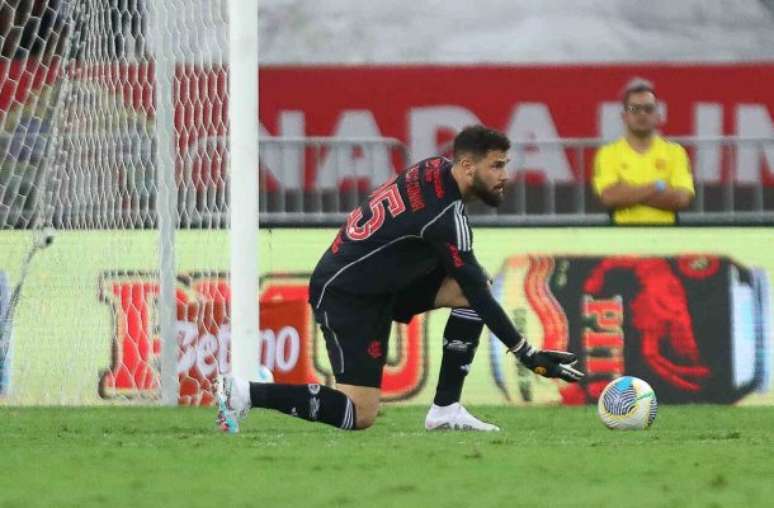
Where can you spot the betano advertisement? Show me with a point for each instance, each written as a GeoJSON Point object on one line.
{"type": "Point", "coordinates": [687, 309]}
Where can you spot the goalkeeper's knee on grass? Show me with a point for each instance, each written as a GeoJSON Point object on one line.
{"type": "Point", "coordinates": [312, 402]}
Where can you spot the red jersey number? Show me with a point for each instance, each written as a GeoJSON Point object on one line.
{"type": "Point", "coordinates": [388, 194]}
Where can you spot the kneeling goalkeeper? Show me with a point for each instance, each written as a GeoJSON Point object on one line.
{"type": "Point", "coordinates": [406, 250]}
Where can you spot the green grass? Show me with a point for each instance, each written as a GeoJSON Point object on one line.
{"type": "Point", "coordinates": [706, 456]}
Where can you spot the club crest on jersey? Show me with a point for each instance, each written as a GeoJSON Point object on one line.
{"type": "Point", "coordinates": [375, 350]}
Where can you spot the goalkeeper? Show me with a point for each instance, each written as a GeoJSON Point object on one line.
{"type": "Point", "coordinates": [406, 250]}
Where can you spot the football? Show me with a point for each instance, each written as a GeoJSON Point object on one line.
{"type": "Point", "coordinates": [627, 403]}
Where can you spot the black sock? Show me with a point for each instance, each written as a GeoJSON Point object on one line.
{"type": "Point", "coordinates": [311, 402]}
{"type": "Point", "coordinates": [460, 340]}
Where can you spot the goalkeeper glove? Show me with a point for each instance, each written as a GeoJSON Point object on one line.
{"type": "Point", "coordinates": [549, 363]}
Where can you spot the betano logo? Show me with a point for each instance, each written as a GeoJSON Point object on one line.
{"type": "Point", "coordinates": [290, 344]}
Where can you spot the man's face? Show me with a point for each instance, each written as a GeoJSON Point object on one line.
{"type": "Point", "coordinates": [490, 176]}
{"type": "Point", "coordinates": [641, 114]}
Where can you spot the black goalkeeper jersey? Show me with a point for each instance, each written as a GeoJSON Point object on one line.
{"type": "Point", "coordinates": [407, 228]}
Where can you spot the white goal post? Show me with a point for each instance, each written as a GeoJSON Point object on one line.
{"type": "Point", "coordinates": [242, 171]}
{"type": "Point", "coordinates": [130, 129]}
{"type": "Point", "coordinates": [243, 128]}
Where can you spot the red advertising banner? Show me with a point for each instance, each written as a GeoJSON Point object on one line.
{"type": "Point", "coordinates": [424, 106]}
{"type": "Point", "coordinates": [289, 341]}
{"type": "Point", "coordinates": [285, 344]}
{"type": "Point", "coordinates": [696, 326]}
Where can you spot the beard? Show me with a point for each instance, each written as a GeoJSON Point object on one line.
{"type": "Point", "coordinates": [488, 196]}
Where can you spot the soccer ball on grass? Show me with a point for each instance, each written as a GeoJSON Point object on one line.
{"type": "Point", "coordinates": [627, 403]}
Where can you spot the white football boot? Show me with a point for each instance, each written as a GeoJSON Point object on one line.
{"type": "Point", "coordinates": [455, 417]}
{"type": "Point", "coordinates": [233, 400]}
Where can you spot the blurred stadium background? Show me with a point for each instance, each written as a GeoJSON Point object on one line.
{"type": "Point", "coordinates": [351, 93]}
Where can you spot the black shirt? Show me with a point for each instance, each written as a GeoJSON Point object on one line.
{"type": "Point", "coordinates": [409, 226]}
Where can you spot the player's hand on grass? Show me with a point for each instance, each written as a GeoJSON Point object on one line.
{"type": "Point", "coordinates": [549, 363]}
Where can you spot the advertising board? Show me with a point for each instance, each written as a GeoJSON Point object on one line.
{"type": "Point", "coordinates": [686, 308]}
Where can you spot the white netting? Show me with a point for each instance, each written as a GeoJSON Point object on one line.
{"type": "Point", "coordinates": [78, 155]}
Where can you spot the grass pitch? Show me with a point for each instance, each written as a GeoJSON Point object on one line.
{"type": "Point", "coordinates": [707, 456]}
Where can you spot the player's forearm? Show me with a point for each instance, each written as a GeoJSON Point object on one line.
{"type": "Point", "coordinates": [472, 279]}
{"type": "Point", "coordinates": [670, 199]}
{"type": "Point", "coordinates": [481, 300]}
{"type": "Point", "coordinates": [623, 195]}
{"type": "Point", "coordinates": [496, 320]}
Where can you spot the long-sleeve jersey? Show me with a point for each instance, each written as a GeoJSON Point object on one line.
{"type": "Point", "coordinates": [406, 228]}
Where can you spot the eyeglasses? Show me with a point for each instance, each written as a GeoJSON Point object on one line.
{"type": "Point", "coordinates": [637, 108]}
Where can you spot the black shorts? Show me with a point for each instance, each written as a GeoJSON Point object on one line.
{"type": "Point", "coordinates": [357, 327]}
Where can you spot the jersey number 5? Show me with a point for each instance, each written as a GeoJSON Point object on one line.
{"type": "Point", "coordinates": [388, 194]}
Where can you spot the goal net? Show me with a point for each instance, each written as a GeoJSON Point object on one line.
{"type": "Point", "coordinates": [82, 145]}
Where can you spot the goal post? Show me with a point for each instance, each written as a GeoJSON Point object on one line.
{"type": "Point", "coordinates": [162, 25]}
{"type": "Point", "coordinates": [243, 165]}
